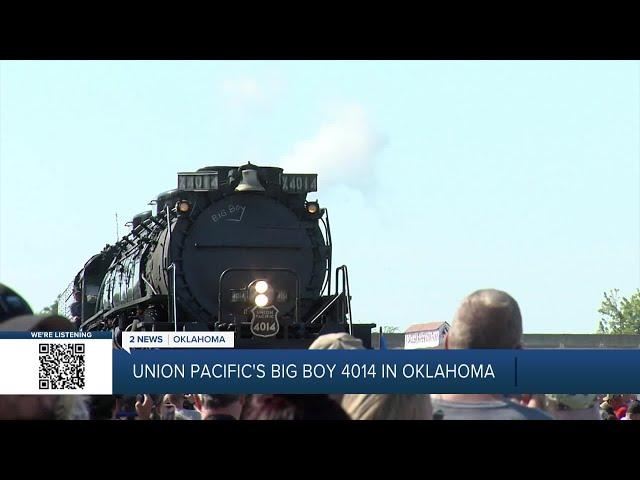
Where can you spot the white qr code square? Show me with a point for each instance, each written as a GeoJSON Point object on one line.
{"type": "Point", "coordinates": [61, 366]}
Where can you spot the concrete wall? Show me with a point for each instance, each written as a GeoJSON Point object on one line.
{"type": "Point", "coordinates": [569, 340]}
{"type": "Point", "coordinates": [541, 340]}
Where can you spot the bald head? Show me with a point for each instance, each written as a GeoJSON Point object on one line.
{"type": "Point", "coordinates": [487, 319]}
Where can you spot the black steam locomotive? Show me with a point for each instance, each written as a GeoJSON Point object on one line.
{"type": "Point", "coordinates": [231, 249]}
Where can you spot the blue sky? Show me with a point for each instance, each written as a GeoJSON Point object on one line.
{"type": "Point", "coordinates": [440, 177]}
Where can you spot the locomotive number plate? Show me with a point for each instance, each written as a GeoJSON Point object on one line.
{"type": "Point", "coordinates": [264, 321]}
{"type": "Point", "coordinates": [299, 183]}
{"type": "Point", "coordinates": [198, 181]}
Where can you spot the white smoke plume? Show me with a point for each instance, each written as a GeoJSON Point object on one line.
{"type": "Point", "coordinates": [341, 152]}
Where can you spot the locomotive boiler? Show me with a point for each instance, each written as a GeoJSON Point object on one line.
{"type": "Point", "coordinates": [230, 249]}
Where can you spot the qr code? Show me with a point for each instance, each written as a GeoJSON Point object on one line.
{"type": "Point", "coordinates": [61, 366]}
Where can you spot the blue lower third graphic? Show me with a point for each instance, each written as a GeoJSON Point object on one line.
{"type": "Point", "coordinates": [375, 371]}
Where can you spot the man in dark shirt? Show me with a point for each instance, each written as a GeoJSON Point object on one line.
{"type": "Point", "coordinates": [633, 413]}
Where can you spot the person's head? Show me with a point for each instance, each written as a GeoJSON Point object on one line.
{"type": "Point", "coordinates": [616, 400]}
{"type": "Point", "coordinates": [37, 323]}
{"type": "Point", "coordinates": [486, 319]}
{"type": "Point", "coordinates": [294, 407]}
{"type": "Point", "coordinates": [572, 406]}
{"type": "Point", "coordinates": [12, 304]}
{"type": "Point", "coordinates": [77, 295]}
{"type": "Point", "coordinates": [223, 404]}
{"type": "Point", "coordinates": [362, 406]}
{"type": "Point", "coordinates": [44, 407]}
{"type": "Point", "coordinates": [61, 407]}
{"type": "Point", "coordinates": [633, 413]}
{"type": "Point", "coordinates": [176, 399]}
{"type": "Point", "coordinates": [102, 407]}
{"type": "Point", "coordinates": [627, 398]}
{"type": "Point", "coordinates": [337, 341]}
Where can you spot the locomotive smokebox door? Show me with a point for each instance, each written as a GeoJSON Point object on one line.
{"type": "Point", "coordinates": [264, 321]}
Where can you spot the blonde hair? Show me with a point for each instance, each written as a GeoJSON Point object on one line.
{"type": "Point", "coordinates": [382, 406]}
{"type": "Point", "coordinates": [337, 341]}
{"type": "Point", "coordinates": [487, 319]}
{"type": "Point", "coordinates": [71, 407]}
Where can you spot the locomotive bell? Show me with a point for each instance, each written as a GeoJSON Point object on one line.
{"type": "Point", "coordinates": [250, 182]}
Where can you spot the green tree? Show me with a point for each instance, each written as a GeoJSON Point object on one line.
{"type": "Point", "coordinates": [620, 315]}
{"type": "Point", "coordinates": [51, 309]}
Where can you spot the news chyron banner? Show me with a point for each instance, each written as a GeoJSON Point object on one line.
{"type": "Point", "coordinates": [90, 363]}
{"type": "Point", "coordinates": [377, 371]}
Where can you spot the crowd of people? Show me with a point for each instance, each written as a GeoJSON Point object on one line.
{"type": "Point", "coordinates": [486, 319]}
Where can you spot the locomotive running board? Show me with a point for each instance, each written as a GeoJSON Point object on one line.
{"type": "Point", "coordinates": [127, 306]}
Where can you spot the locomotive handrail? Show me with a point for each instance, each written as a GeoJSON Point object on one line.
{"type": "Point", "coordinates": [326, 307]}
{"type": "Point", "coordinates": [168, 237]}
{"type": "Point", "coordinates": [327, 270]}
{"type": "Point", "coordinates": [346, 291]}
{"type": "Point", "coordinates": [346, 279]}
{"type": "Point", "coordinates": [153, 290]}
{"type": "Point", "coordinates": [172, 267]}
{"type": "Point", "coordinates": [329, 246]}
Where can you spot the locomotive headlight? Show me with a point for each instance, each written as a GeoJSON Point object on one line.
{"type": "Point", "coordinates": [261, 286]}
{"type": "Point", "coordinates": [313, 207]}
{"type": "Point", "coordinates": [183, 206]}
{"type": "Point", "coordinates": [261, 300]}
